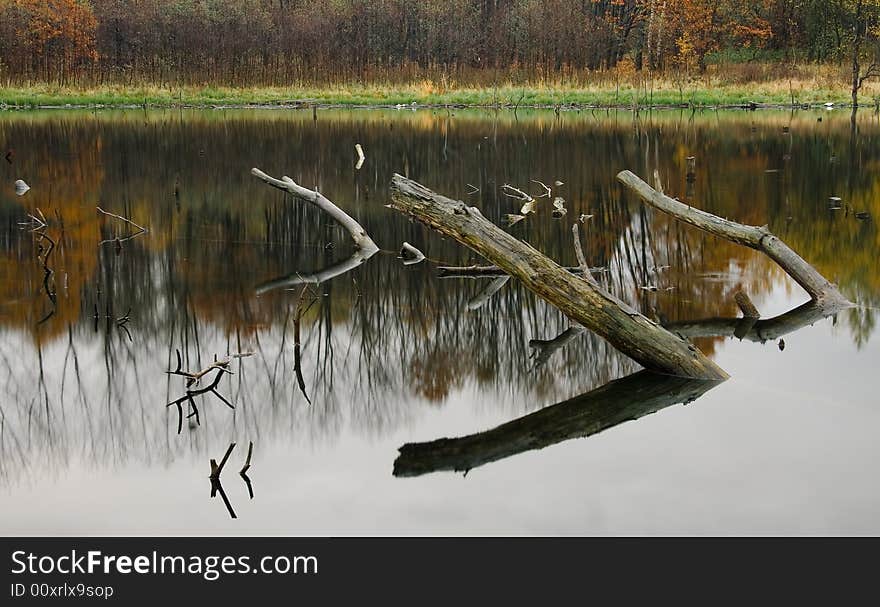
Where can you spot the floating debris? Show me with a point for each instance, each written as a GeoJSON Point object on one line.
{"type": "Point", "coordinates": [21, 187]}
{"type": "Point", "coordinates": [512, 219]}
{"type": "Point", "coordinates": [512, 192]}
{"type": "Point", "coordinates": [781, 345]}
{"type": "Point", "coordinates": [558, 183]}
{"type": "Point", "coordinates": [833, 203]}
{"type": "Point", "coordinates": [361, 157]}
{"type": "Point", "coordinates": [584, 217]}
{"type": "Point", "coordinates": [863, 215]}
{"type": "Point", "coordinates": [547, 191]}
{"type": "Point", "coordinates": [559, 207]}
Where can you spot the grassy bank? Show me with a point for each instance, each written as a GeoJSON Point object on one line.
{"type": "Point", "coordinates": [605, 94]}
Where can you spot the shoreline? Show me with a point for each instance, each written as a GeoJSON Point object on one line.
{"type": "Point", "coordinates": [568, 107]}
{"type": "Point", "coordinates": [734, 97]}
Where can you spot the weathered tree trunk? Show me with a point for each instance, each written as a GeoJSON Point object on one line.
{"type": "Point", "coordinates": [627, 330]}
{"type": "Point", "coordinates": [622, 400]}
{"type": "Point", "coordinates": [758, 238]}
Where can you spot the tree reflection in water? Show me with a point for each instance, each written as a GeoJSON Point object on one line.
{"type": "Point", "coordinates": [380, 344]}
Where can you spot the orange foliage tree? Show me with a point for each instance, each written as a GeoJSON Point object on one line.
{"type": "Point", "coordinates": [49, 36]}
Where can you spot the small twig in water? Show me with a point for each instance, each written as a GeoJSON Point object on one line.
{"type": "Point", "coordinates": [125, 219]}
{"type": "Point", "coordinates": [547, 190]}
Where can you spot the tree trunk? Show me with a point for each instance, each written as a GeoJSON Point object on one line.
{"type": "Point", "coordinates": [758, 238]}
{"type": "Point", "coordinates": [857, 48]}
{"type": "Point", "coordinates": [627, 330]}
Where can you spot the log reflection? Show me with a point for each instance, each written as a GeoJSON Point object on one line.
{"type": "Point", "coordinates": [759, 330]}
{"type": "Point", "coordinates": [619, 401]}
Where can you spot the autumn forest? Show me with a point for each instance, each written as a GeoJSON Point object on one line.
{"type": "Point", "coordinates": [271, 42]}
{"type": "Point", "coordinates": [371, 240]}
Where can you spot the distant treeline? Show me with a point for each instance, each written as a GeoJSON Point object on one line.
{"type": "Point", "coordinates": [252, 42]}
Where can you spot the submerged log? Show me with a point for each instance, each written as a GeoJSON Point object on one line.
{"type": "Point", "coordinates": [754, 237]}
{"type": "Point", "coordinates": [619, 401]}
{"type": "Point", "coordinates": [626, 329]}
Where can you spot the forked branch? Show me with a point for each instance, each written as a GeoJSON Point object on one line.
{"type": "Point", "coordinates": [194, 378]}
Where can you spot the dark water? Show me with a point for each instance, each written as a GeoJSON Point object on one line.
{"type": "Point", "coordinates": [391, 354]}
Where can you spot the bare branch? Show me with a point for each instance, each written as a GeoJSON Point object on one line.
{"type": "Point", "coordinates": [410, 255]}
{"type": "Point", "coordinates": [358, 233]}
{"type": "Point", "coordinates": [547, 190]}
{"type": "Point", "coordinates": [221, 367]}
{"type": "Point", "coordinates": [514, 192]}
{"type": "Point", "coordinates": [758, 238]}
{"type": "Point", "coordinates": [125, 219]}
{"type": "Point", "coordinates": [745, 304]}
{"type": "Point", "coordinates": [578, 250]}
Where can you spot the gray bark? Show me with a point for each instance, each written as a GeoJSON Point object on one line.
{"type": "Point", "coordinates": [627, 330]}
{"type": "Point", "coordinates": [758, 238]}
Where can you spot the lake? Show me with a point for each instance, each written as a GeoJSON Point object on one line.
{"type": "Point", "coordinates": [334, 378]}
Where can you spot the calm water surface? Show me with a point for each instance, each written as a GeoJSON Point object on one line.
{"type": "Point", "coordinates": [390, 354]}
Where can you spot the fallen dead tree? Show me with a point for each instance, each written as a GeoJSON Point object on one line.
{"type": "Point", "coordinates": [758, 238]}
{"type": "Point", "coordinates": [366, 248]}
{"type": "Point", "coordinates": [622, 400]}
{"type": "Point", "coordinates": [623, 327]}
{"type": "Point", "coordinates": [619, 401]}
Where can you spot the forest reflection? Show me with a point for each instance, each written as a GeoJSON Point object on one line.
{"type": "Point", "coordinates": [384, 340]}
